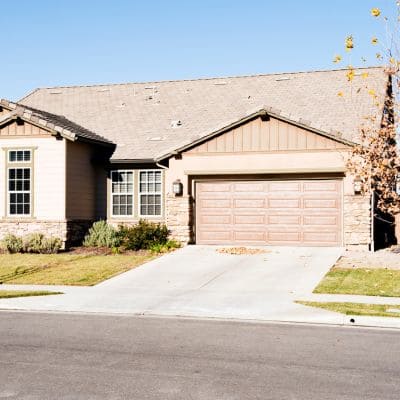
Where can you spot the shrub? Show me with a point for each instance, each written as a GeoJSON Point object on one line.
{"type": "Point", "coordinates": [102, 234]}
{"type": "Point", "coordinates": [11, 243]}
{"type": "Point", "coordinates": [39, 243]}
{"type": "Point", "coordinates": [143, 235]}
{"type": "Point", "coordinates": [165, 248]}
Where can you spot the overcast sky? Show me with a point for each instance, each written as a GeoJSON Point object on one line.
{"type": "Point", "coordinates": [53, 43]}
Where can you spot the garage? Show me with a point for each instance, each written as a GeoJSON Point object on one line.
{"type": "Point", "coordinates": [304, 212]}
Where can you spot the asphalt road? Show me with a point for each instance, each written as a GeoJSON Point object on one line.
{"type": "Point", "coordinates": [55, 356]}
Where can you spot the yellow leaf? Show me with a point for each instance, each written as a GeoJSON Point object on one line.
{"type": "Point", "coordinates": [364, 75]}
{"type": "Point", "coordinates": [340, 94]}
{"type": "Point", "coordinates": [378, 56]}
{"type": "Point", "coordinates": [350, 75]}
{"type": "Point", "coordinates": [374, 40]}
{"type": "Point", "coordinates": [375, 12]}
{"type": "Point", "coordinates": [371, 92]}
{"type": "Point", "coordinates": [349, 43]}
{"type": "Point", "coordinates": [337, 59]}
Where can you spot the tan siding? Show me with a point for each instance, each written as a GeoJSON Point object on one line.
{"type": "Point", "coordinates": [13, 129]}
{"type": "Point", "coordinates": [48, 175]}
{"type": "Point", "coordinates": [81, 182]}
{"type": "Point", "coordinates": [272, 135]}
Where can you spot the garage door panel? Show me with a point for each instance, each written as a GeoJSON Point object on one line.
{"type": "Point", "coordinates": [248, 237]}
{"type": "Point", "coordinates": [215, 203]}
{"type": "Point", "coordinates": [249, 203]}
{"type": "Point", "coordinates": [321, 203]}
{"type": "Point", "coordinates": [283, 203]}
{"type": "Point", "coordinates": [284, 219]}
{"type": "Point", "coordinates": [300, 212]}
{"type": "Point", "coordinates": [249, 219]}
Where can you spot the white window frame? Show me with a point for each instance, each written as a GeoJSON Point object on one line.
{"type": "Point", "coordinates": [9, 192]}
{"type": "Point", "coordinates": [122, 194]}
{"type": "Point", "coordinates": [151, 193]}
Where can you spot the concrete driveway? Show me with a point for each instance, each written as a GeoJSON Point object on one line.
{"type": "Point", "coordinates": [201, 282]}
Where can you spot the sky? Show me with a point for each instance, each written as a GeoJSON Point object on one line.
{"type": "Point", "coordinates": [82, 42]}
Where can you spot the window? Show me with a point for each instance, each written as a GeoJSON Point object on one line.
{"type": "Point", "coordinates": [150, 189]}
{"type": "Point", "coordinates": [122, 193]}
{"type": "Point", "coordinates": [19, 183]}
{"type": "Point", "coordinates": [19, 156]}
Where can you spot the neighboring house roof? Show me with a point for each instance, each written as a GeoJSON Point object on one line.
{"type": "Point", "coordinates": [153, 120]}
{"type": "Point", "coordinates": [54, 123]}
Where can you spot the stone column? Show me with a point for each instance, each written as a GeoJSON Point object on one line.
{"type": "Point", "coordinates": [357, 222]}
{"type": "Point", "coordinates": [179, 213]}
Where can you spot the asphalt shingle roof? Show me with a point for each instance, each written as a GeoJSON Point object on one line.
{"type": "Point", "coordinates": [149, 120]}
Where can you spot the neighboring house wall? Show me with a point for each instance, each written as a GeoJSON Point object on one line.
{"type": "Point", "coordinates": [263, 149]}
{"type": "Point", "coordinates": [48, 181]}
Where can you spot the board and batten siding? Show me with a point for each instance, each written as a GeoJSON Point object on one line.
{"type": "Point", "coordinates": [264, 136]}
{"type": "Point", "coordinates": [25, 129]}
{"type": "Point", "coordinates": [48, 175]}
{"type": "Point", "coordinates": [81, 188]}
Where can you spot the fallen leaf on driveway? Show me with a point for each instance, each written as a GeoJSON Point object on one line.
{"type": "Point", "coordinates": [240, 251]}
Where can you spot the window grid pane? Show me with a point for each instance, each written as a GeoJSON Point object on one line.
{"type": "Point", "coordinates": [19, 184]}
{"type": "Point", "coordinates": [19, 156]}
{"type": "Point", "coordinates": [150, 188]}
{"type": "Point", "coordinates": [122, 193]}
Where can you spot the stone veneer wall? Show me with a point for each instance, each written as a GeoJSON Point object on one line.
{"type": "Point", "coordinates": [179, 214]}
{"type": "Point", "coordinates": [357, 222]}
{"type": "Point", "coordinates": [70, 232]}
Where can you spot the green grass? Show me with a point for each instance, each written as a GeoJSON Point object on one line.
{"type": "Point", "coordinates": [64, 268]}
{"type": "Point", "coordinates": [361, 281]}
{"type": "Point", "coordinates": [8, 294]}
{"type": "Point", "coordinates": [372, 310]}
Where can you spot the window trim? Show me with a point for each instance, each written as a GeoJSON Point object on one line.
{"type": "Point", "coordinates": [116, 216]}
{"type": "Point", "coordinates": [150, 193]}
{"type": "Point", "coordinates": [9, 215]}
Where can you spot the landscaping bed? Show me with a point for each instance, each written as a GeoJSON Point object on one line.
{"type": "Point", "coordinates": [9, 294]}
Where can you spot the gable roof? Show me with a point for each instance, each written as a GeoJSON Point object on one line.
{"type": "Point", "coordinates": [53, 123]}
{"type": "Point", "coordinates": [153, 120]}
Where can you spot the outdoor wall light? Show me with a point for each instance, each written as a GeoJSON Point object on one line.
{"type": "Point", "coordinates": [177, 188]}
{"type": "Point", "coordinates": [357, 185]}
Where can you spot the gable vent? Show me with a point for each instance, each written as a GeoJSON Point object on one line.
{"type": "Point", "coordinates": [284, 78]}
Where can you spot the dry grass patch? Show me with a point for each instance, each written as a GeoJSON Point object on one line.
{"type": "Point", "coordinates": [361, 281]}
{"type": "Point", "coordinates": [66, 268]}
{"type": "Point", "coordinates": [9, 294]}
{"type": "Point", "coordinates": [372, 310]}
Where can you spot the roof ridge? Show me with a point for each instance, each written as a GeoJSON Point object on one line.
{"type": "Point", "coordinates": [195, 79]}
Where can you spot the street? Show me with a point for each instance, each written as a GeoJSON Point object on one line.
{"type": "Point", "coordinates": [70, 356]}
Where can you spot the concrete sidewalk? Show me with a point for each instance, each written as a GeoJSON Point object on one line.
{"type": "Point", "coordinates": [198, 281]}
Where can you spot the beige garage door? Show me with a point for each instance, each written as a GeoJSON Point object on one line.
{"type": "Point", "coordinates": [296, 212]}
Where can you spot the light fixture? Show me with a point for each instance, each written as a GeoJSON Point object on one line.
{"type": "Point", "coordinates": [357, 185]}
{"type": "Point", "coordinates": [177, 188]}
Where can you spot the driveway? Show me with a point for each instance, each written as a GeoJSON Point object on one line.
{"type": "Point", "coordinates": [201, 282]}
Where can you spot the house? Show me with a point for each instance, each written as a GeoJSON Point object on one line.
{"type": "Point", "coordinates": [240, 160]}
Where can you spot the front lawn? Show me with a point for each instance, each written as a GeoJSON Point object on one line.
{"type": "Point", "coordinates": [8, 294]}
{"type": "Point", "coordinates": [372, 310]}
{"type": "Point", "coordinates": [66, 268]}
{"type": "Point", "coordinates": [361, 281]}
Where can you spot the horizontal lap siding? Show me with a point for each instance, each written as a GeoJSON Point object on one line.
{"type": "Point", "coordinates": [81, 182]}
{"type": "Point", "coordinates": [307, 212]}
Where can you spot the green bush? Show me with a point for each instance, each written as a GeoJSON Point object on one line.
{"type": "Point", "coordinates": [143, 235]}
{"type": "Point", "coordinates": [102, 234]}
{"type": "Point", "coordinates": [40, 244]}
{"type": "Point", "coordinates": [11, 243]}
{"type": "Point", "coordinates": [165, 248]}
{"type": "Point", "coordinates": [33, 243]}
